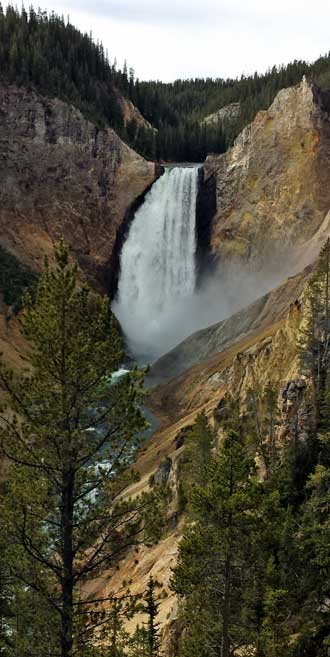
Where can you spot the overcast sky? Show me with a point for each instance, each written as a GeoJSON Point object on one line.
{"type": "Point", "coordinates": [169, 39]}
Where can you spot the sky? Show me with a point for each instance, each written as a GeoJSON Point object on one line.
{"type": "Point", "coordinates": [170, 39]}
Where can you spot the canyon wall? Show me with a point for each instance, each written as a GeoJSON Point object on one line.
{"type": "Point", "coordinates": [61, 175]}
{"type": "Point", "coordinates": [202, 345]}
{"type": "Point", "coordinates": [272, 187]}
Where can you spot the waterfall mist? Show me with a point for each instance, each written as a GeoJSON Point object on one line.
{"type": "Point", "coordinates": [157, 303]}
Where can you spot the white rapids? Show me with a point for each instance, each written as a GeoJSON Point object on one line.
{"type": "Point", "coordinates": [157, 265]}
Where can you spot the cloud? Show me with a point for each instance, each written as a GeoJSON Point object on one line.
{"type": "Point", "coordinates": [147, 12]}
{"type": "Point", "coordinates": [217, 14]}
{"type": "Point", "coordinates": [176, 14]}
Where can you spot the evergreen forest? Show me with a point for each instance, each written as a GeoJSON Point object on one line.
{"type": "Point", "coordinates": [45, 52]}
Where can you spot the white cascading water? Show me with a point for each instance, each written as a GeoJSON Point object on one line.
{"type": "Point", "coordinates": [157, 273]}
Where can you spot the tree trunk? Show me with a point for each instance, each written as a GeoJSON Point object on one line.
{"type": "Point", "coordinates": [225, 641]}
{"type": "Point", "coordinates": [66, 639]}
{"type": "Point", "coordinates": [67, 557]}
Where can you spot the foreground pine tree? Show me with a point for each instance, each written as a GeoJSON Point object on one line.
{"type": "Point", "coordinates": [146, 641]}
{"type": "Point", "coordinates": [217, 556]}
{"type": "Point", "coordinates": [152, 609]}
{"type": "Point", "coordinates": [69, 433]}
{"type": "Point", "coordinates": [198, 442]}
{"type": "Point", "coordinates": [314, 553]}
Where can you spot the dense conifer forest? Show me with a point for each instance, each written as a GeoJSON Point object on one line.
{"type": "Point", "coordinates": [50, 54]}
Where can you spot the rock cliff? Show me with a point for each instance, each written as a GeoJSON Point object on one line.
{"type": "Point", "coordinates": [61, 175]}
{"type": "Point", "coordinates": [131, 113]}
{"type": "Point", "coordinates": [227, 114]}
{"type": "Point", "coordinates": [272, 187]}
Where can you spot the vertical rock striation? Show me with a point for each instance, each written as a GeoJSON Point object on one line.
{"type": "Point", "coordinates": [61, 175]}
{"type": "Point", "coordinates": [272, 187]}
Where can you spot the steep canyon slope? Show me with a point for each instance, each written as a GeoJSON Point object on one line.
{"type": "Point", "coordinates": [266, 353]}
{"type": "Point", "coordinates": [272, 188]}
{"type": "Point", "coordinates": [61, 175]}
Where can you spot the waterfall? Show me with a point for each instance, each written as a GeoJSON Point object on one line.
{"type": "Point", "coordinates": [157, 265]}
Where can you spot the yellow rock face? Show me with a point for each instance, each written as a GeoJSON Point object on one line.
{"type": "Point", "coordinates": [273, 187]}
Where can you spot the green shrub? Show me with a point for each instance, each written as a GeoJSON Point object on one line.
{"type": "Point", "coordinates": [14, 279]}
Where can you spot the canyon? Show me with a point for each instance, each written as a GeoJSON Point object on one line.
{"type": "Point", "coordinates": [262, 215]}
{"type": "Point", "coordinates": [269, 222]}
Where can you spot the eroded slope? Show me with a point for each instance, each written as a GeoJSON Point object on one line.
{"type": "Point", "coordinates": [272, 188]}
{"type": "Point", "coordinates": [61, 175]}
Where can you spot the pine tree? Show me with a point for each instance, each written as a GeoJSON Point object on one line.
{"type": "Point", "coordinates": [152, 609]}
{"type": "Point", "coordinates": [198, 443]}
{"type": "Point", "coordinates": [315, 339]}
{"type": "Point", "coordinates": [217, 555]}
{"type": "Point", "coordinates": [70, 433]}
{"type": "Point", "coordinates": [138, 644]}
{"type": "Point", "coordinates": [117, 636]}
{"type": "Point", "coordinates": [314, 549]}
{"type": "Point", "coordinates": [25, 621]}
{"type": "Point", "coordinates": [7, 614]}
{"type": "Point", "coordinates": [275, 632]}
{"type": "Point", "coordinates": [145, 641]}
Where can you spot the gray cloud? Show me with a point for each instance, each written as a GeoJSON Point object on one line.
{"type": "Point", "coordinates": [148, 12]}
{"type": "Point", "coordinates": [184, 13]}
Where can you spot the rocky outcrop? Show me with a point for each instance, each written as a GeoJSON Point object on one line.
{"type": "Point", "coordinates": [61, 175]}
{"type": "Point", "coordinates": [272, 186]}
{"type": "Point", "coordinates": [131, 113]}
{"type": "Point", "coordinates": [227, 114]}
{"type": "Point", "coordinates": [266, 355]}
{"type": "Point", "coordinates": [296, 424]}
{"type": "Point", "coordinates": [161, 476]}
